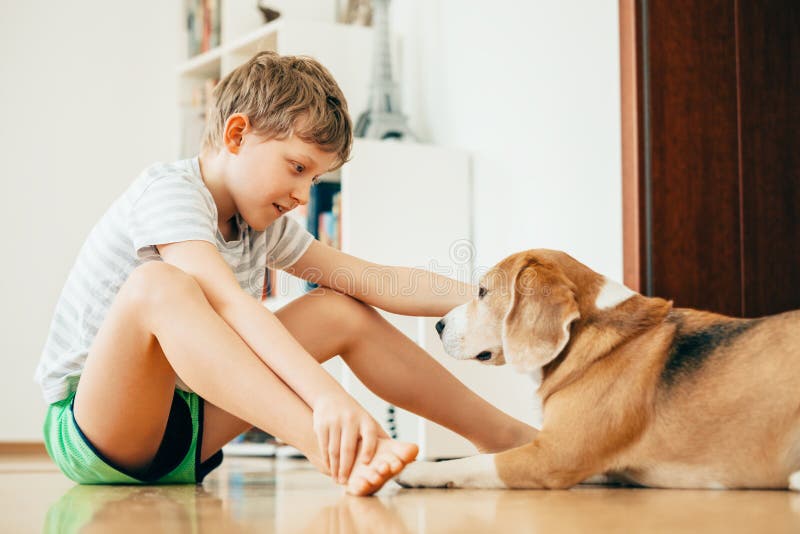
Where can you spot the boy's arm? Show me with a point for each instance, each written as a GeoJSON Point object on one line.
{"type": "Point", "coordinates": [402, 290]}
{"type": "Point", "coordinates": [254, 323]}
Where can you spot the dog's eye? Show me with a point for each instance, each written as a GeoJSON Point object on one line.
{"type": "Point", "coordinates": [481, 292]}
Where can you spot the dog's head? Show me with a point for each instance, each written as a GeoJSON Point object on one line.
{"type": "Point", "coordinates": [526, 308]}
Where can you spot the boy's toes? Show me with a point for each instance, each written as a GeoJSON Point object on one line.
{"type": "Point", "coordinates": [406, 452]}
{"type": "Point", "coordinates": [391, 458]}
{"type": "Point", "coordinates": [388, 464]}
{"type": "Point", "coordinates": [358, 486]}
{"type": "Point", "coordinates": [375, 478]}
{"type": "Point", "coordinates": [395, 465]}
{"type": "Point", "coordinates": [384, 467]}
{"type": "Point", "coordinates": [366, 482]}
{"type": "Point", "coordinates": [367, 479]}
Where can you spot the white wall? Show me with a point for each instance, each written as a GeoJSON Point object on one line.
{"type": "Point", "coordinates": [87, 101]}
{"type": "Point", "coordinates": [532, 90]}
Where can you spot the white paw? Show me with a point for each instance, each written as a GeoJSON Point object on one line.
{"type": "Point", "coordinates": [424, 475]}
{"type": "Point", "coordinates": [473, 472]}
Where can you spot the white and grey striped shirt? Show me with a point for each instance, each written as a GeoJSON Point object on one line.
{"type": "Point", "coordinates": [165, 204]}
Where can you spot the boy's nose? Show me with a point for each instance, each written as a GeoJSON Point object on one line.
{"type": "Point", "coordinates": [301, 197]}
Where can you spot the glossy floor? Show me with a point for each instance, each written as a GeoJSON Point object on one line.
{"type": "Point", "coordinates": [259, 495]}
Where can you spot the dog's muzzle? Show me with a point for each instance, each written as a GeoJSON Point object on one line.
{"type": "Point", "coordinates": [440, 327]}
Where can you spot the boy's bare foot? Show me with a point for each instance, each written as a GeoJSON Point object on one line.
{"type": "Point", "coordinates": [390, 458]}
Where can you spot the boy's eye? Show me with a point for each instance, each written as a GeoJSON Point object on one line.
{"type": "Point", "coordinates": [481, 292]}
{"type": "Point", "coordinates": [299, 168]}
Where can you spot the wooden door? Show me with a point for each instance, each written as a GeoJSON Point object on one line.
{"type": "Point", "coordinates": [711, 152]}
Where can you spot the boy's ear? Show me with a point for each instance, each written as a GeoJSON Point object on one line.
{"type": "Point", "coordinates": [235, 128]}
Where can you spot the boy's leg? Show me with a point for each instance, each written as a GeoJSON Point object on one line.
{"type": "Point", "coordinates": [400, 372]}
{"type": "Point", "coordinates": [161, 323]}
{"type": "Point", "coordinates": [127, 371]}
{"type": "Point", "coordinates": [391, 365]}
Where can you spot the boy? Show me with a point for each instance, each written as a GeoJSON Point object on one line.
{"type": "Point", "coordinates": [160, 352]}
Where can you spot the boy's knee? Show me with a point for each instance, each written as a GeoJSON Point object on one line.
{"type": "Point", "coordinates": [156, 281]}
{"type": "Point", "coordinates": [356, 315]}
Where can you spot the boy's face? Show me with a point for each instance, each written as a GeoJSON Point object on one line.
{"type": "Point", "coordinates": [268, 178]}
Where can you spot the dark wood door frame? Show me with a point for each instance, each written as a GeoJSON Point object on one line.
{"type": "Point", "coordinates": [633, 210]}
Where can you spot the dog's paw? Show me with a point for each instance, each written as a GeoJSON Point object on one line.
{"type": "Point", "coordinates": [424, 475]}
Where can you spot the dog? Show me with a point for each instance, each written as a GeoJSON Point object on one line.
{"type": "Point", "coordinates": [634, 391]}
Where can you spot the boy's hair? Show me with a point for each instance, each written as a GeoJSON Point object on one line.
{"type": "Point", "coordinates": [283, 95]}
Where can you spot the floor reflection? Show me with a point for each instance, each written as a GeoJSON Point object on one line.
{"type": "Point", "coordinates": [102, 509]}
{"type": "Point", "coordinates": [290, 497]}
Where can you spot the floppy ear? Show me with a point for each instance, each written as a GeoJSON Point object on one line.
{"type": "Point", "coordinates": [536, 326]}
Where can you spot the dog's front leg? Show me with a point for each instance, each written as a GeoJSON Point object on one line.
{"type": "Point", "coordinates": [473, 472]}
{"type": "Point", "coordinates": [542, 463]}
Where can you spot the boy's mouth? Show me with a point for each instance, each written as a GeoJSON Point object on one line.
{"type": "Point", "coordinates": [281, 210]}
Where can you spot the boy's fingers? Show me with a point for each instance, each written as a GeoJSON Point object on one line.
{"type": "Point", "coordinates": [334, 441]}
{"type": "Point", "coordinates": [369, 442]}
{"type": "Point", "coordinates": [348, 453]}
{"type": "Point", "coordinates": [322, 440]}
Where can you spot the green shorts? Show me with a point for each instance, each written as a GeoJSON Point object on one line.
{"type": "Point", "coordinates": [176, 462]}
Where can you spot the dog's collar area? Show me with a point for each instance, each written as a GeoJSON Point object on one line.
{"type": "Point", "coordinates": [483, 356]}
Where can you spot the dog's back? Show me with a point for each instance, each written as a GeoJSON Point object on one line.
{"type": "Point", "coordinates": [727, 405]}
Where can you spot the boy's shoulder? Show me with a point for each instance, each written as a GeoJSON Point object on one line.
{"type": "Point", "coordinates": [185, 169]}
{"type": "Point", "coordinates": [181, 174]}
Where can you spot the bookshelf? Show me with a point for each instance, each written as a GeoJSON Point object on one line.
{"type": "Point", "coordinates": [401, 203]}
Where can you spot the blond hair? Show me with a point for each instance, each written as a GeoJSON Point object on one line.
{"type": "Point", "coordinates": [283, 96]}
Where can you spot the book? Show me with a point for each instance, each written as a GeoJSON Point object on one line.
{"type": "Point", "coordinates": [323, 219]}
{"type": "Point", "coordinates": [320, 201]}
{"type": "Point", "coordinates": [202, 25]}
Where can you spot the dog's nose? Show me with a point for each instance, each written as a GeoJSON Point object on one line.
{"type": "Point", "coordinates": [440, 326]}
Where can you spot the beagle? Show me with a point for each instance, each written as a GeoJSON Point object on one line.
{"type": "Point", "coordinates": [633, 390]}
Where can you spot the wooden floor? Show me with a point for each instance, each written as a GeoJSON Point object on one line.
{"type": "Point", "coordinates": [259, 495]}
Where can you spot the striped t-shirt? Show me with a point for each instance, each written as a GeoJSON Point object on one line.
{"type": "Point", "coordinates": [165, 204]}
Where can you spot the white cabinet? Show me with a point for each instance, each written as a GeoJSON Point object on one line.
{"type": "Point", "coordinates": [409, 204]}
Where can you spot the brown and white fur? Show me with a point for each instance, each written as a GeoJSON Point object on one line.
{"type": "Point", "coordinates": [632, 389]}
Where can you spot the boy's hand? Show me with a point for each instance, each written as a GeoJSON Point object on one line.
{"type": "Point", "coordinates": [340, 423]}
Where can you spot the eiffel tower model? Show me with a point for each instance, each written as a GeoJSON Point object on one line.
{"type": "Point", "coordinates": [383, 119]}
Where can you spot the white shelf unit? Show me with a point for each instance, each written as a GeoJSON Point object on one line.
{"type": "Point", "coordinates": [265, 450]}
{"type": "Point", "coordinates": [408, 204]}
{"type": "Point", "coordinates": [250, 449]}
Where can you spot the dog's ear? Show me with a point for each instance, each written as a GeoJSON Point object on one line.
{"type": "Point", "coordinates": [536, 327]}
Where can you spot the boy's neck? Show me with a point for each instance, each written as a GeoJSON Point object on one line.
{"type": "Point", "coordinates": [212, 164]}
